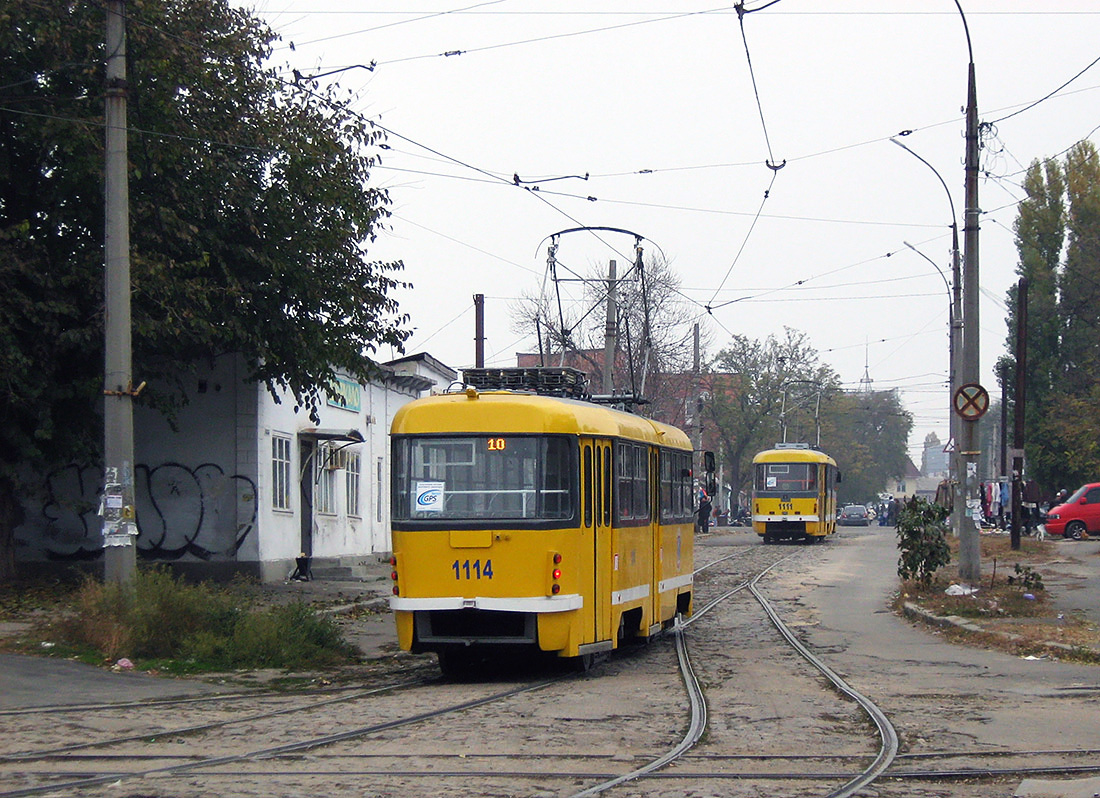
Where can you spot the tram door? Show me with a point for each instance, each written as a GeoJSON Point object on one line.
{"type": "Point", "coordinates": [597, 476]}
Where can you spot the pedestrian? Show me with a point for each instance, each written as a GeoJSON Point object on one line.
{"type": "Point", "coordinates": [705, 507]}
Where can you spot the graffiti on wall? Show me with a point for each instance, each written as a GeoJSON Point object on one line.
{"type": "Point", "coordinates": [200, 512]}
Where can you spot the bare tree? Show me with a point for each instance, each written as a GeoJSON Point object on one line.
{"type": "Point", "coordinates": [651, 327]}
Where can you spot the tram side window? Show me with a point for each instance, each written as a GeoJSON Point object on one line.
{"type": "Point", "coordinates": [587, 485]}
{"type": "Point", "coordinates": [675, 486]}
{"type": "Point", "coordinates": [632, 469]}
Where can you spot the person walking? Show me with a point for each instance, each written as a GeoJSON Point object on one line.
{"type": "Point", "coordinates": [705, 507]}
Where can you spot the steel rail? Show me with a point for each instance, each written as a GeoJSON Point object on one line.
{"type": "Point", "coordinates": [889, 736]}
{"type": "Point", "coordinates": [696, 726]}
{"type": "Point", "coordinates": [30, 756]}
{"type": "Point", "coordinates": [302, 745]}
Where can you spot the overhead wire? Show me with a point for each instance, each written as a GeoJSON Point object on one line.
{"type": "Point", "coordinates": [549, 37]}
{"type": "Point", "coordinates": [741, 11]}
{"type": "Point", "coordinates": [466, 165]}
{"type": "Point", "coordinates": [1048, 96]}
{"type": "Point", "coordinates": [421, 18]}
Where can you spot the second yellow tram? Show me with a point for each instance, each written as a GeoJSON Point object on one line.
{"type": "Point", "coordinates": [794, 493]}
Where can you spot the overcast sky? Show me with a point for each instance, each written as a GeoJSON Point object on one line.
{"type": "Point", "coordinates": [674, 111]}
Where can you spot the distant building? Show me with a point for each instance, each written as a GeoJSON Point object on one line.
{"type": "Point", "coordinates": [912, 483]}
{"type": "Point", "coordinates": [934, 460]}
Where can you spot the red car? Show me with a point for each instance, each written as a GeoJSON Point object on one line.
{"type": "Point", "coordinates": [1079, 516]}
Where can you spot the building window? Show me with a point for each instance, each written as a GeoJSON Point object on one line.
{"type": "Point", "coordinates": [351, 483]}
{"type": "Point", "coordinates": [326, 486]}
{"type": "Point", "coordinates": [280, 472]}
{"type": "Point", "coordinates": [379, 487]}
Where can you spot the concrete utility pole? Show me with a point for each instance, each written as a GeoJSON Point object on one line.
{"type": "Point", "coordinates": [967, 504]}
{"type": "Point", "coordinates": [610, 330]}
{"type": "Point", "coordinates": [117, 503]}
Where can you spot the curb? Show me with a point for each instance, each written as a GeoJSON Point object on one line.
{"type": "Point", "coordinates": [917, 613]}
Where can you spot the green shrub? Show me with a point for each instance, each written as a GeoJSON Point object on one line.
{"type": "Point", "coordinates": [922, 539]}
{"type": "Point", "coordinates": [158, 616]}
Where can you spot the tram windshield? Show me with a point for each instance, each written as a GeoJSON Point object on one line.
{"type": "Point", "coordinates": [787, 478]}
{"type": "Point", "coordinates": [486, 477]}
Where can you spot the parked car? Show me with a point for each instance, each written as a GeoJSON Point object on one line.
{"type": "Point", "coordinates": [1077, 517]}
{"type": "Point", "coordinates": [854, 515]}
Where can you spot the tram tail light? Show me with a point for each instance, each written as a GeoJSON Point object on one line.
{"type": "Point", "coordinates": [554, 573]}
{"type": "Point", "coordinates": [393, 575]}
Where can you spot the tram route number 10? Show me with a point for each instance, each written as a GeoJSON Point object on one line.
{"type": "Point", "coordinates": [473, 569]}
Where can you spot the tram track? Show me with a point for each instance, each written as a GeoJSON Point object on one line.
{"type": "Point", "coordinates": [698, 707]}
{"type": "Point", "coordinates": [590, 734]}
{"type": "Point", "coordinates": [208, 762]}
{"type": "Point", "coordinates": [177, 731]}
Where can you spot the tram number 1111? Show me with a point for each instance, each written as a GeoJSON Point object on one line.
{"type": "Point", "coordinates": [473, 569]}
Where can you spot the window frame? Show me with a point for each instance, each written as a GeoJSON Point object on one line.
{"type": "Point", "coordinates": [282, 454]}
{"type": "Point", "coordinates": [353, 481]}
{"type": "Point", "coordinates": [324, 499]}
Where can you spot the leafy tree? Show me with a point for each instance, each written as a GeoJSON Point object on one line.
{"type": "Point", "coordinates": [1058, 238]}
{"type": "Point", "coordinates": [250, 217]}
{"type": "Point", "coordinates": [749, 380]}
{"type": "Point", "coordinates": [1071, 423]}
{"type": "Point", "coordinates": [867, 433]}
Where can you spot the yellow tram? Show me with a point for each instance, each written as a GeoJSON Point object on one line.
{"type": "Point", "coordinates": [794, 493]}
{"type": "Point", "coordinates": [536, 522]}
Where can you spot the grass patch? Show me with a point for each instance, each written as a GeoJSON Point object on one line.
{"type": "Point", "coordinates": [1012, 606]}
{"type": "Point", "coordinates": [163, 623]}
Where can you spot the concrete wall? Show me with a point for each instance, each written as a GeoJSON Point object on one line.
{"type": "Point", "coordinates": [204, 489]}
{"type": "Point", "coordinates": [195, 487]}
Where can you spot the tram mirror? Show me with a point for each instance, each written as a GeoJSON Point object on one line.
{"type": "Point", "coordinates": [708, 458]}
{"type": "Point", "coordinates": [839, 479]}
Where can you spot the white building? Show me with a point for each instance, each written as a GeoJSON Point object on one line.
{"type": "Point", "coordinates": [241, 481]}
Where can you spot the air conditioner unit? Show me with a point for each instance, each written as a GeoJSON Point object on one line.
{"type": "Point", "coordinates": [333, 457]}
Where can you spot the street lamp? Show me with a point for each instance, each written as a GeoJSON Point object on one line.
{"type": "Point", "coordinates": [956, 342]}
{"type": "Point", "coordinates": [954, 350]}
{"type": "Point", "coordinates": [966, 442]}
{"type": "Point", "coordinates": [970, 571]}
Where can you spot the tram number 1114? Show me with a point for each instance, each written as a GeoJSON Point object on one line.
{"type": "Point", "coordinates": [473, 569]}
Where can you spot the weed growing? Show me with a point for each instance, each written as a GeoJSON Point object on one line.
{"type": "Point", "coordinates": [161, 621]}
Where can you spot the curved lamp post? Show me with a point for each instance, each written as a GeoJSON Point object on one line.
{"type": "Point", "coordinates": [955, 333]}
